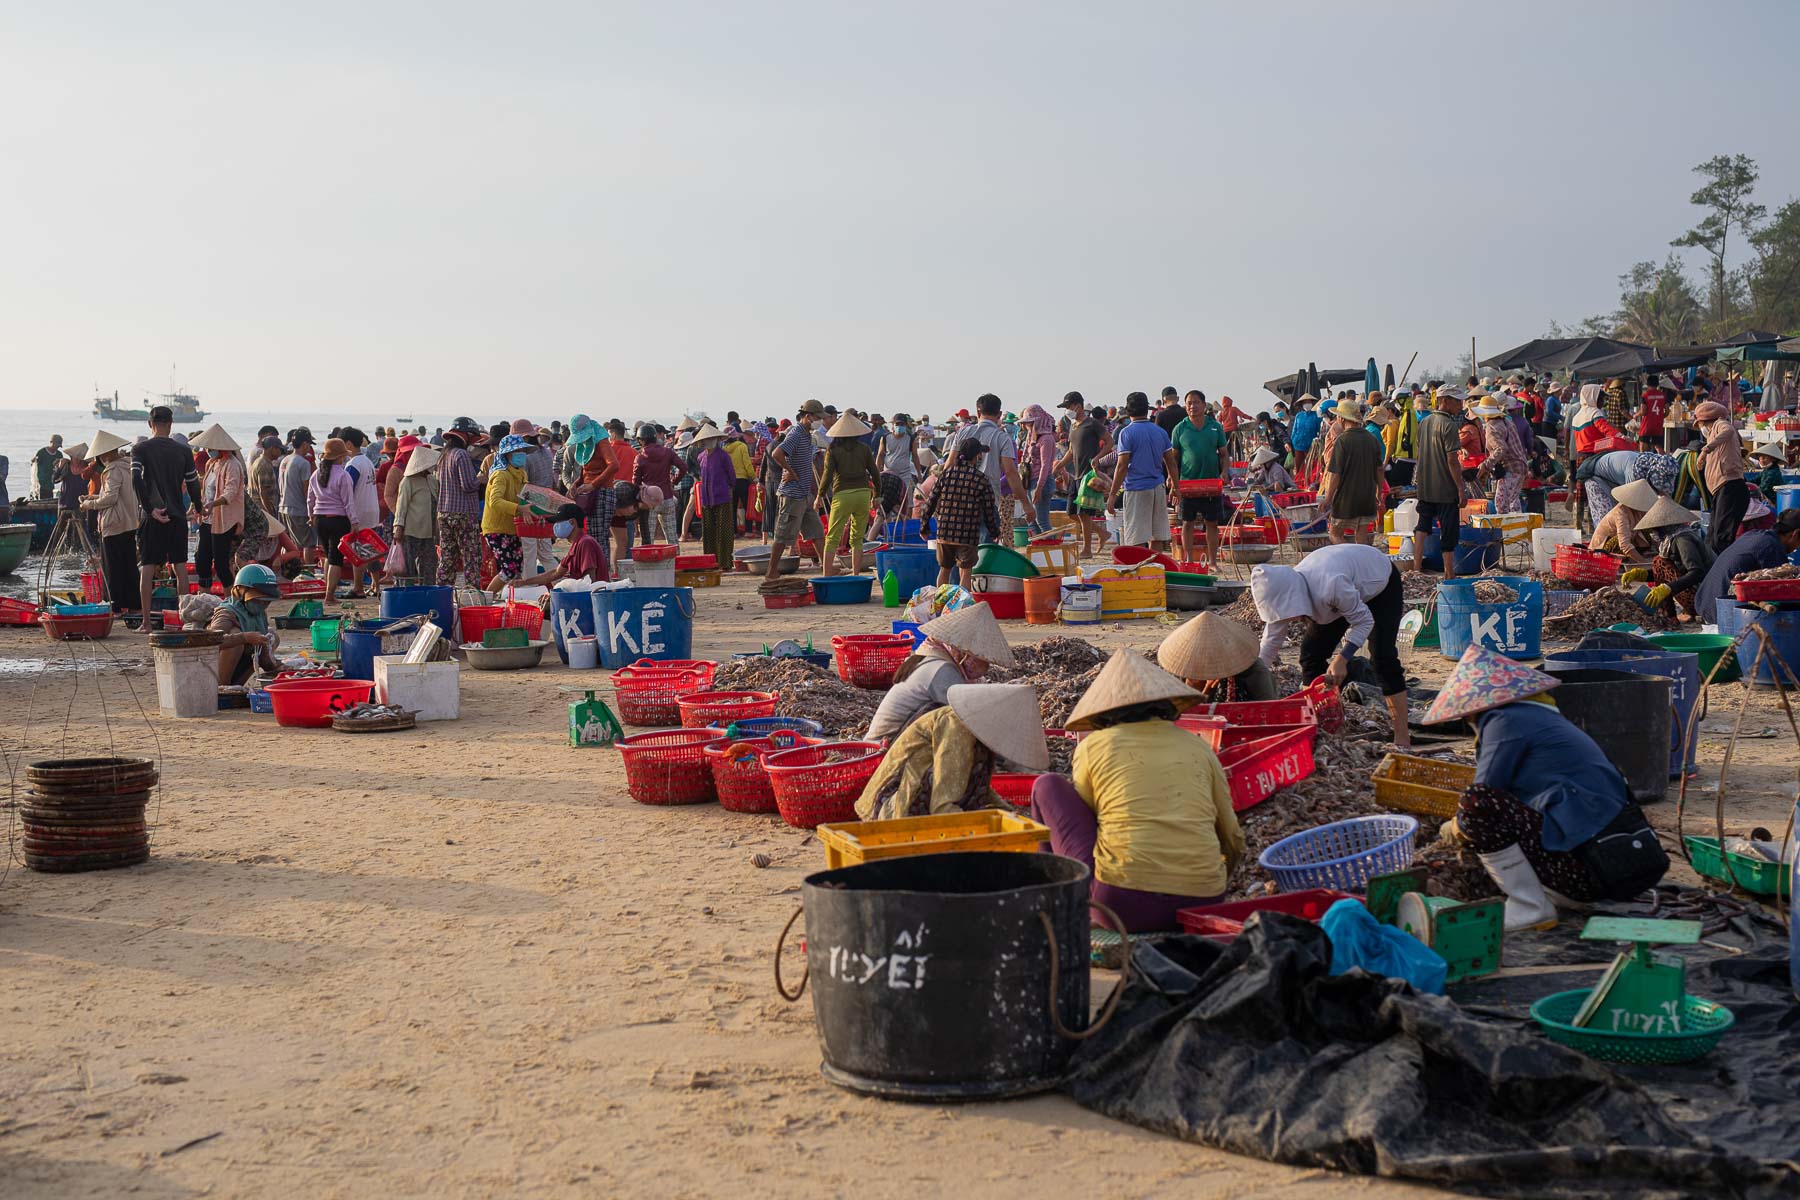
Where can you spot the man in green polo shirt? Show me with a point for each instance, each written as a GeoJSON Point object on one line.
{"type": "Point", "coordinates": [1199, 442]}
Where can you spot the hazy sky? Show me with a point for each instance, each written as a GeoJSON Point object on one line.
{"type": "Point", "coordinates": [629, 210]}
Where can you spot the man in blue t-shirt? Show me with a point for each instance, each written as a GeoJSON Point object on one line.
{"type": "Point", "coordinates": [1144, 473]}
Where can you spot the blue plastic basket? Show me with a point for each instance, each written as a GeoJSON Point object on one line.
{"type": "Point", "coordinates": [261, 702]}
{"type": "Point", "coordinates": [911, 629]}
{"type": "Point", "coordinates": [843, 589]}
{"type": "Point", "coordinates": [1557, 602]}
{"type": "Point", "coordinates": [1344, 854]}
{"type": "Point", "coordinates": [80, 610]}
{"type": "Point", "coordinates": [755, 727]}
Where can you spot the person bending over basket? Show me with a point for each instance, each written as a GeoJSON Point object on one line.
{"type": "Point", "coordinates": [1680, 561]}
{"type": "Point", "coordinates": [1548, 813]}
{"type": "Point", "coordinates": [959, 647]}
{"type": "Point", "coordinates": [1148, 808]}
{"type": "Point", "coordinates": [943, 762]}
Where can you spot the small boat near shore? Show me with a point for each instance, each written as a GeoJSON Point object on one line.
{"type": "Point", "coordinates": [186, 408]}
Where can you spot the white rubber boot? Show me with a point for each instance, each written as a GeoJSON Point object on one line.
{"type": "Point", "coordinates": [1527, 907]}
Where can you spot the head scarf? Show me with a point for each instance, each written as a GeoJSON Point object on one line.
{"type": "Point", "coordinates": [584, 435]}
{"type": "Point", "coordinates": [1709, 410]}
{"type": "Point", "coordinates": [1040, 421]}
{"type": "Point", "coordinates": [1658, 470]}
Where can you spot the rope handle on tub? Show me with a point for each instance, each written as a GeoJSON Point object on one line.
{"type": "Point", "coordinates": [790, 997]}
{"type": "Point", "coordinates": [1112, 1001]}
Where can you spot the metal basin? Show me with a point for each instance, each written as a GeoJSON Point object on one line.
{"type": "Point", "coordinates": [507, 658]}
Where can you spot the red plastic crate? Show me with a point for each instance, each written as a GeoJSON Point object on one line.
{"type": "Point", "coordinates": [796, 600]}
{"type": "Point", "coordinates": [695, 562]}
{"type": "Point", "coordinates": [1751, 591]}
{"type": "Point", "coordinates": [292, 588]}
{"type": "Point", "coordinates": [1283, 499]}
{"type": "Point", "coordinates": [1295, 710]}
{"type": "Point", "coordinates": [1327, 704]}
{"type": "Point", "coordinates": [1201, 487]}
{"type": "Point", "coordinates": [17, 612]}
{"type": "Point", "coordinates": [1223, 922]}
{"type": "Point", "coordinates": [704, 709]}
{"type": "Point", "coordinates": [1212, 729]}
{"type": "Point", "coordinates": [1584, 567]}
{"type": "Point", "coordinates": [669, 766]}
{"type": "Point", "coordinates": [1264, 531]}
{"type": "Point", "coordinates": [810, 790]}
{"type": "Point", "coordinates": [869, 660]}
{"type": "Point", "coordinates": [1258, 769]}
{"type": "Point", "coordinates": [1237, 735]}
{"type": "Point", "coordinates": [1014, 788]}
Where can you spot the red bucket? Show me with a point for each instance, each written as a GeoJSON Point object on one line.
{"type": "Point", "coordinates": [311, 703]}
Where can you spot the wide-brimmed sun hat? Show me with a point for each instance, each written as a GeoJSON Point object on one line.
{"type": "Point", "coordinates": [1129, 678]}
{"type": "Point", "coordinates": [972, 630]}
{"type": "Point", "coordinates": [335, 450]}
{"type": "Point", "coordinates": [1484, 680]}
{"type": "Point", "coordinates": [847, 426]}
{"type": "Point", "coordinates": [1637, 494]}
{"type": "Point", "coordinates": [423, 458]}
{"type": "Point", "coordinates": [1349, 410]}
{"type": "Point", "coordinates": [215, 438]}
{"type": "Point", "coordinates": [1004, 718]}
{"type": "Point", "coordinates": [1665, 514]}
{"type": "Point", "coordinates": [1210, 646]}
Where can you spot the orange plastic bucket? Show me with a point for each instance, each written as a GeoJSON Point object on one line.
{"type": "Point", "coordinates": [1042, 596]}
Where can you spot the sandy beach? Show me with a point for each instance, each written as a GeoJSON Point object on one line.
{"type": "Point", "coordinates": [461, 961]}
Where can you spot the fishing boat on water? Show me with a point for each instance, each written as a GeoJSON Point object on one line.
{"type": "Point", "coordinates": [15, 543]}
{"type": "Point", "coordinates": [185, 407]}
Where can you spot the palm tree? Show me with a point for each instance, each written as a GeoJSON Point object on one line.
{"type": "Point", "coordinates": [1658, 307]}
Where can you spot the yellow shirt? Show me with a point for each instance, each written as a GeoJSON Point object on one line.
{"type": "Point", "coordinates": [502, 509]}
{"type": "Point", "coordinates": [1164, 809]}
{"type": "Point", "coordinates": [740, 458]}
{"type": "Point", "coordinates": [927, 771]}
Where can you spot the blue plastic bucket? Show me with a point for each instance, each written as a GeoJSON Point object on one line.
{"type": "Point", "coordinates": [1786, 497]}
{"type": "Point", "coordinates": [1509, 629]}
{"type": "Point", "coordinates": [1783, 630]}
{"type": "Point", "coordinates": [571, 615]}
{"type": "Point", "coordinates": [911, 629]}
{"type": "Point", "coordinates": [440, 602]}
{"type": "Point", "coordinates": [360, 641]}
{"type": "Point", "coordinates": [1476, 551]}
{"type": "Point", "coordinates": [643, 622]}
{"type": "Point", "coordinates": [1684, 693]}
{"type": "Point", "coordinates": [914, 567]}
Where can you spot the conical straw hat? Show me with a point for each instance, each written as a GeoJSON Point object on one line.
{"type": "Point", "coordinates": [1637, 494]}
{"type": "Point", "coordinates": [973, 630]}
{"type": "Point", "coordinates": [1484, 680]}
{"type": "Point", "coordinates": [1210, 646]}
{"type": "Point", "coordinates": [707, 433]}
{"type": "Point", "coordinates": [1004, 718]}
{"type": "Point", "coordinates": [422, 459]}
{"type": "Point", "coordinates": [848, 426]}
{"type": "Point", "coordinates": [215, 438]}
{"type": "Point", "coordinates": [105, 440]}
{"type": "Point", "coordinates": [1666, 514]}
{"type": "Point", "coordinates": [1129, 678]}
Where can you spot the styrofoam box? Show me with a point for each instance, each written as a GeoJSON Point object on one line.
{"type": "Point", "coordinates": [432, 690]}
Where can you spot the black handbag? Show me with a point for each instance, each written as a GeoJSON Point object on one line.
{"type": "Point", "coordinates": [1625, 858]}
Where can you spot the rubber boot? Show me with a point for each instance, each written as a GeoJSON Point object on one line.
{"type": "Point", "coordinates": [1527, 907]}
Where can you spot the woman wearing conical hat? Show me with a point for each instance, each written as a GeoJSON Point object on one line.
{"type": "Point", "coordinates": [1548, 813]}
{"type": "Point", "coordinates": [1217, 657]}
{"type": "Point", "coordinates": [959, 647]}
{"type": "Point", "coordinates": [1146, 805]}
{"type": "Point", "coordinates": [944, 762]}
{"type": "Point", "coordinates": [1680, 559]}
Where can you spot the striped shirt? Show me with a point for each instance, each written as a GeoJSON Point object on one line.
{"type": "Point", "coordinates": [457, 489]}
{"type": "Point", "coordinates": [799, 448]}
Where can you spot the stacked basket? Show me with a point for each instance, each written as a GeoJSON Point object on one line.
{"type": "Point", "coordinates": [86, 814]}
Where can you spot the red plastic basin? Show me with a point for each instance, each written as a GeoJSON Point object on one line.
{"type": "Point", "coordinates": [311, 703]}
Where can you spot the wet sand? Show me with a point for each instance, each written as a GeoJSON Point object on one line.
{"type": "Point", "coordinates": [462, 961]}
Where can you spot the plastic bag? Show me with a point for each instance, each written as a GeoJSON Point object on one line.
{"type": "Point", "coordinates": [935, 601]}
{"type": "Point", "coordinates": [395, 563]}
{"type": "Point", "coordinates": [1359, 940]}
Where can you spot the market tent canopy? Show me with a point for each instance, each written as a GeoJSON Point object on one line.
{"type": "Point", "coordinates": [1520, 357]}
{"type": "Point", "coordinates": [1285, 388]}
{"type": "Point", "coordinates": [1788, 351]}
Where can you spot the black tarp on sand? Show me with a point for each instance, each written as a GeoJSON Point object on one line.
{"type": "Point", "coordinates": [1255, 1048]}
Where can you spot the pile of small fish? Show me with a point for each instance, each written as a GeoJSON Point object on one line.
{"type": "Point", "coordinates": [805, 690]}
{"type": "Point", "coordinates": [1417, 585]}
{"type": "Point", "coordinates": [1785, 571]}
{"type": "Point", "coordinates": [1551, 582]}
{"type": "Point", "coordinates": [1597, 610]}
{"type": "Point", "coordinates": [1060, 668]}
{"type": "Point", "coordinates": [1488, 591]}
{"type": "Point", "coordinates": [1456, 871]}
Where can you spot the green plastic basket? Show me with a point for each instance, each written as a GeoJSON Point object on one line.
{"type": "Point", "coordinates": [1704, 1024]}
{"type": "Point", "coordinates": [1757, 875]}
{"type": "Point", "coordinates": [325, 636]}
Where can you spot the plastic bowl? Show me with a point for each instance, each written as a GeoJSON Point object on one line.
{"type": "Point", "coordinates": [311, 703]}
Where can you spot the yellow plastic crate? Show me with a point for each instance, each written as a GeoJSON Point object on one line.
{"type": "Point", "coordinates": [1125, 595]}
{"type": "Point", "coordinates": [850, 842]}
{"type": "Point", "coordinates": [708, 578]}
{"type": "Point", "coordinates": [1424, 786]}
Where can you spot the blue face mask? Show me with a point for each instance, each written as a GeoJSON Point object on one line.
{"type": "Point", "coordinates": [517, 458]}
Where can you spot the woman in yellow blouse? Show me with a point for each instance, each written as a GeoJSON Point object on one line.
{"type": "Point", "coordinates": [1149, 808]}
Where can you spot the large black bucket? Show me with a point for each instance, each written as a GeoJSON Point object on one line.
{"type": "Point", "coordinates": [931, 975]}
{"type": "Point", "coordinates": [1629, 716]}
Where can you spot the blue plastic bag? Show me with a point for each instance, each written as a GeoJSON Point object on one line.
{"type": "Point", "coordinates": [1359, 940]}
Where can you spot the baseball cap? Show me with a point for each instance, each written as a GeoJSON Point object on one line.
{"type": "Point", "coordinates": [813, 408]}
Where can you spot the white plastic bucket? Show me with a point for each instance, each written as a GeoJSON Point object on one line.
{"type": "Point", "coordinates": [1545, 541]}
{"type": "Point", "coordinates": [584, 653]}
{"type": "Point", "coordinates": [187, 680]}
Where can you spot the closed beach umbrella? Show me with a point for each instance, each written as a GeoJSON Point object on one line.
{"type": "Point", "coordinates": [1388, 379]}
{"type": "Point", "coordinates": [1371, 378]}
{"type": "Point", "coordinates": [1312, 378]}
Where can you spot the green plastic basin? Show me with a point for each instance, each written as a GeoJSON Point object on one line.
{"type": "Point", "coordinates": [1709, 646]}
